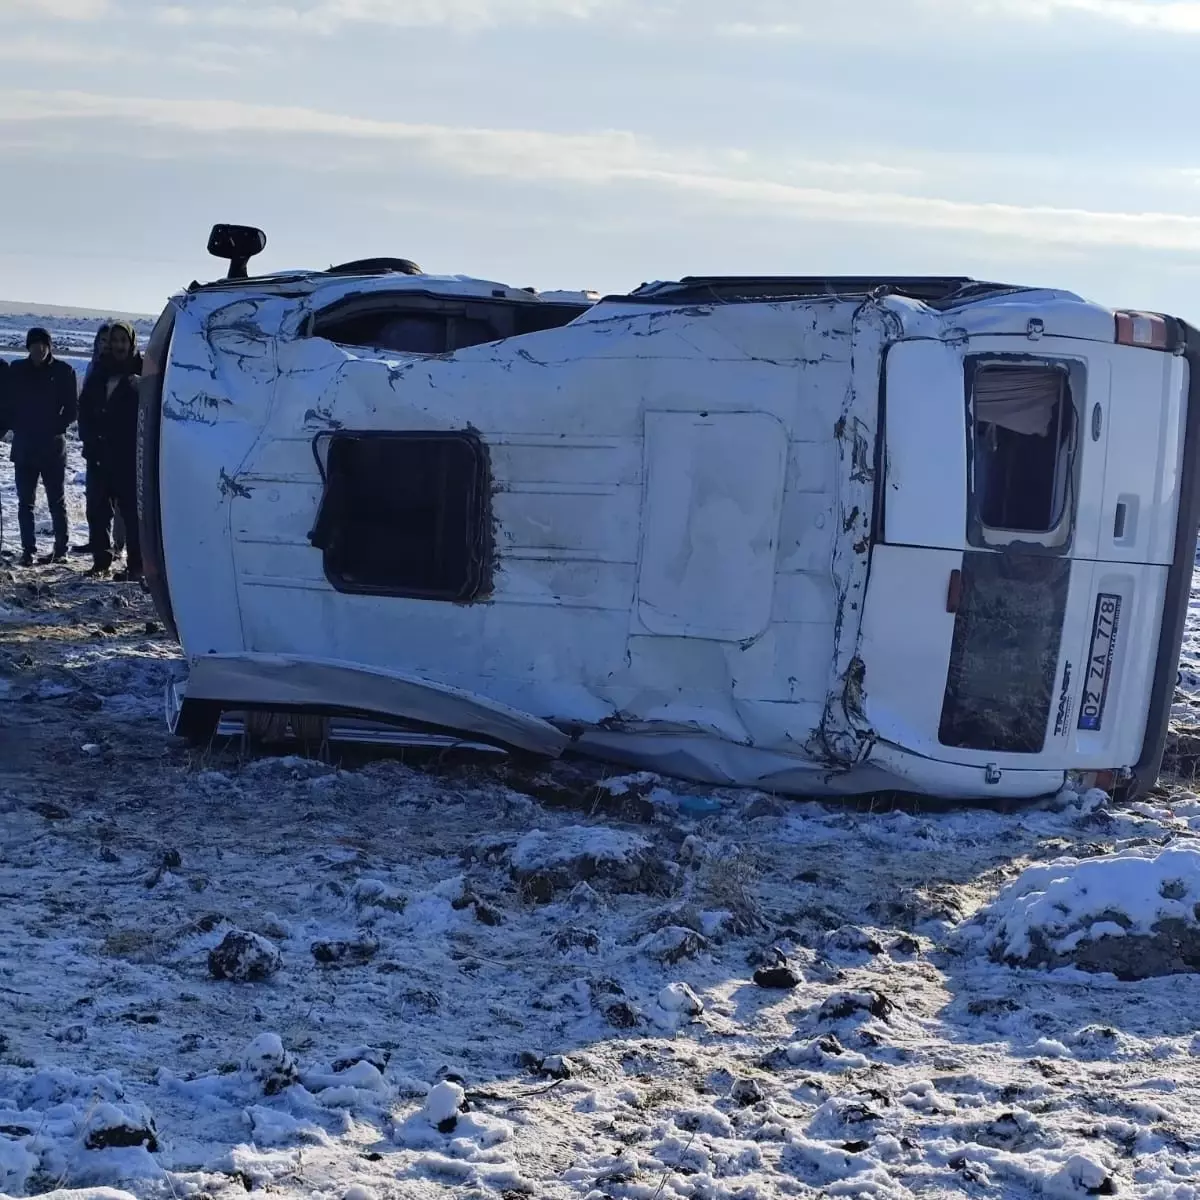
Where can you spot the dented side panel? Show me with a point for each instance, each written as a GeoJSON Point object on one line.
{"type": "Point", "coordinates": [710, 524]}
{"type": "Point", "coordinates": [591, 620]}
{"type": "Point", "coordinates": [205, 433]}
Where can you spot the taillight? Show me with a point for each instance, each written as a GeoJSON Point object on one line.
{"type": "Point", "coordinates": [1147, 330]}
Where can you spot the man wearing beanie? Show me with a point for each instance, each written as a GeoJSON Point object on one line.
{"type": "Point", "coordinates": [40, 397]}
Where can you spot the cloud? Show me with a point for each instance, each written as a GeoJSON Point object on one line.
{"type": "Point", "coordinates": [1038, 223]}
{"type": "Point", "coordinates": [856, 193]}
{"type": "Point", "coordinates": [326, 16]}
{"type": "Point", "coordinates": [769, 19]}
{"type": "Point", "coordinates": [1166, 16]}
{"type": "Point", "coordinates": [27, 48]}
{"type": "Point", "coordinates": [586, 157]}
{"type": "Point", "coordinates": [58, 10]}
{"type": "Point", "coordinates": [204, 57]}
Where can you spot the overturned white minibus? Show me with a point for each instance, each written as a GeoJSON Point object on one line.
{"type": "Point", "coordinates": [819, 536]}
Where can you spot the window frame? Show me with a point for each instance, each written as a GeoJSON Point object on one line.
{"type": "Point", "coordinates": [480, 534]}
{"type": "Point", "coordinates": [508, 317]}
{"type": "Point", "coordinates": [1060, 539]}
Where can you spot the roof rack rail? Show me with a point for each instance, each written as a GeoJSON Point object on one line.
{"type": "Point", "coordinates": [732, 289]}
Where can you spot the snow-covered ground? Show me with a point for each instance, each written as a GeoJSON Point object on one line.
{"type": "Point", "coordinates": [223, 974]}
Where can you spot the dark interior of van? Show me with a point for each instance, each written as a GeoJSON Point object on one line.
{"type": "Point", "coordinates": [417, 323]}
{"type": "Point", "coordinates": [1022, 436]}
{"type": "Point", "coordinates": [405, 514]}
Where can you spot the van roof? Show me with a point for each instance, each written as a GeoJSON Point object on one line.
{"type": "Point", "coordinates": [937, 291]}
{"type": "Point", "coordinates": [303, 280]}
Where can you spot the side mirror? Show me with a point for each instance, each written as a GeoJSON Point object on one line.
{"type": "Point", "coordinates": [239, 244]}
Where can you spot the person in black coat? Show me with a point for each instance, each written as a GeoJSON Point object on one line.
{"type": "Point", "coordinates": [40, 402]}
{"type": "Point", "coordinates": [99, 497]}
{"type": "Point", "coordinates": [3, 426]}
{"type": "Point", "coordinates": [108, 413]}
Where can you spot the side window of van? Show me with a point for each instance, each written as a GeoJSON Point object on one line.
{"type": "Point", "coordinates": [409, 323]}
{"type": "Point", "coordinates": [415, 331]}
{"type": "Point", "coordinates": [405, 513]}
{"type": "Point", "coordinates": [1022, 437]}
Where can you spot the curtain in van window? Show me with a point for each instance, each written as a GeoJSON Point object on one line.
{"type": "Point", "coordinates": [1018, 398]}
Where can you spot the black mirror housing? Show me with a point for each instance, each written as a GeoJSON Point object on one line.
{"type": "Point", "coordinates": [237, 243]}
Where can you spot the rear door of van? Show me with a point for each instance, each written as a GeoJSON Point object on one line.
{"type": "Point", "coordinates": [1028, 535]}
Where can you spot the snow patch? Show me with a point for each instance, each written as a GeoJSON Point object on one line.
{"type": "Point", "coordinates": [1130, 914]}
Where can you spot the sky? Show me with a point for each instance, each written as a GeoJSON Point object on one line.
{"type": "Point", "coordinates": [603, 143]}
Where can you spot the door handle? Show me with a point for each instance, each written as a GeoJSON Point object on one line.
{"type": "Point", "coordinates": [954, 591]}
{"type": "Point", "coordinates": [1125, 519]}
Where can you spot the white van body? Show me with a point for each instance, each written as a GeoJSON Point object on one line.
{"type": "Point", "coordinates": [730, 530]}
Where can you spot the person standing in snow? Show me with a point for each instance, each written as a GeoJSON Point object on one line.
{"type": "Point", "coordinates": [40, 403]}
{"type": "Point", "coordinates": [4, 424]}
{"type": "Point", "coordinates": [98, 498]}
{"type": "Point", "coordinates": [108, 410]}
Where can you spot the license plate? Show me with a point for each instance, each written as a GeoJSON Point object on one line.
{"type": "Point", "coordinates": [1099, 664]}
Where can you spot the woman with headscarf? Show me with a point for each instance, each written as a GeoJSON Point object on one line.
{"type": "Point", "coordinates": [108, 408]}
{"type": "Point", "coordinates": [99, 349]}
{"type": "Point", "coordinates": [98, 501]}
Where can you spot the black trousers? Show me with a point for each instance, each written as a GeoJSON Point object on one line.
{"type": "Point", "coordinates": [127, 507]}
{"type": "Point", "coordinates": [51, 469]}
{"type": "Point", "coordinates": [101, 505]}
{"type": "Point", "coordinates": [102, 510]}
{"type": "Point", "coordinates": [112, 491]}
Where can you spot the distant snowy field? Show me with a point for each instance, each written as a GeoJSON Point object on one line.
{"type": "Point", "coordinates": [223, 974]}
{"type": "Point", "coordinates": [73, 336]}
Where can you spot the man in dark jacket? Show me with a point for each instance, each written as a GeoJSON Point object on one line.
{"type": "Point", "coordinates": [40, 403]}
{"type": "Point", "coordinates": [108, 412]}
